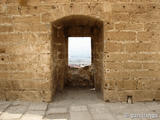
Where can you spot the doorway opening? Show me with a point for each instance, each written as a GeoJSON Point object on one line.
{"type": "Point", "coordinates": [79, 63]}
{"type": "Point", "coordinates": [79, 50]}
{"type": "Point", "coordinates": [63, 73]}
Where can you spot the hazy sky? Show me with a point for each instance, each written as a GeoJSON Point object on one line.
{"type": "Point", "coordinates": [79, 46]}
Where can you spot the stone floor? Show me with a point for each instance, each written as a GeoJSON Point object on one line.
{"type": "Point", "coordinates": [77, 104]}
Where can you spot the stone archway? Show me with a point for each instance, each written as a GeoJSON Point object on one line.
{"type": "Point", "coordinates": [76, 26]}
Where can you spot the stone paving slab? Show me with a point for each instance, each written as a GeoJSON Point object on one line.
{"type": "Point", "coordinates": [78, 108]}
{"type": "Point", "coordinates": [153, 105]}
{"type": "Point", "coordinates": [13, 112]}
{"type": "Point", "coordinates": [59, 116]}
{"type": "Point", "coordinates": [38, 106]}
{"type": "Point", "coordinates": [101, 112]}
{"type": "Point", "coordinates": [57, 113]}
{"type": "Point", "coordinates": [56, 119]}
{"type": "Point", "coordinates": [57, 110]}
{"type": "Point", "coordinates": [22, 103]}
{"type": "Point", "coordinates": [3, 106]}
{"type": "Point", "coordinates": [119, 110]}
{"type": "Point", "coordinates": [139, 108]}
{"type": "Point", "coordinates": [85, 115]}
{"type": "Point", "coordinates": [33, 115]}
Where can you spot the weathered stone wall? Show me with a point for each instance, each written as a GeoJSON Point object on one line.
{"type": "Point", "coordinates": [80, 77]}
{"type": "Point", "coordinates": [131, 47]}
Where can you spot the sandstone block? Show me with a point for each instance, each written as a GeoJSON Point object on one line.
{"type": "Point", "coordinates": [127, 85]}
{"type": "Point", "coordinates": [110, 95]}
{"type": "Point", "coordinates": [10, 38]}
{"type": "Point", "coordinates": [142, 95]}
{"type": "Point", "coordinates": [13, 10]}
{"type": "Point", "coordinates": [129, 26]}
{"type": "Point", "coordinates": [6, 28]}
{"type": "Point", "coordinates": [32, 27]}
{"type": "Point", "coordinates": [5, 20]}
{"type": "Point", "coordinates": [114, 47]}
{"type": "Point", "coordinates": [144, 84]}
{"type": "Point", "coordinates": [145, 36]}
{"type": "Point", "coordinates": [110, 85]}
{"type": "Point", "coordinates": [115, 57]}
{"type": "Point", "coordinates": [139, 47]}
{"type": "Point", "coordinates": [149, 16]}
{"type": "Point", "coordinates": [113, 65]}
{"type": "Point", "coordinates": [27, 19]}
{"type": "Point", "coordinates": [121, 36]}
{"type": "Point", "coordinates": [152, 27]}
{"type": "Point", "coordinates": [130, 65]}
{"type": "Point", "coordinates": [108, 26]}
{"type": "Point", "coordinates": [157, 95]}
{"type": "Point", "coordinates": [120, 17]}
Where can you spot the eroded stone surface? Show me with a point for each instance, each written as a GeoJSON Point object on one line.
{"type": "Point", "coordinates": [80, 77]}
{"type": "Point", "coordinates": [125, 47]}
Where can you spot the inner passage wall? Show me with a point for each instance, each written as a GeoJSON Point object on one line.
{"type": "Point", "coordinates": [76, 26]}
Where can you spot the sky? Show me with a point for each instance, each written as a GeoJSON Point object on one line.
{"type": "Point", "coordinates": [79, 47]}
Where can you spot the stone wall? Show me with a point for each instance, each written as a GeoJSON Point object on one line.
{"type": "Point", "coordinates": [80, 77]}
{"type": "Point", "coordinates": [129, 54]}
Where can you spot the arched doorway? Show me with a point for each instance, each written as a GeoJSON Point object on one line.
{"type": "Point", "coordinates": [76, 26]}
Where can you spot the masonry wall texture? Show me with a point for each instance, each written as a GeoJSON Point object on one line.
{"type": "Point", "coordinates": [125, 47]}
{"type": "Point", "coordinates": [80, 77]}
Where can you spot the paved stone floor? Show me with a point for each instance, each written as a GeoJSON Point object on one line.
{"type": "Point", "coordinates": [77, 104]}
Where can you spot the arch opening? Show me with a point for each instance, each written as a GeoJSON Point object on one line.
{"type": "Point", "coordinates": [76, 26]}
